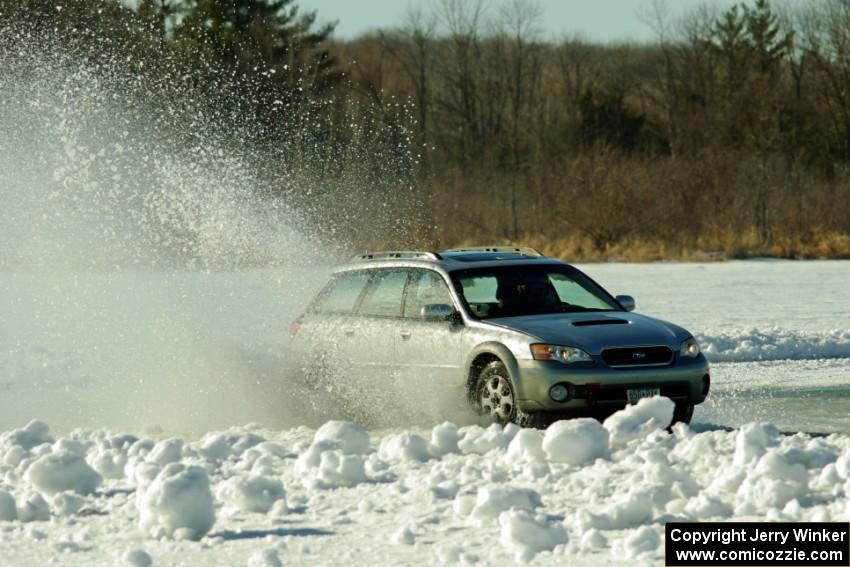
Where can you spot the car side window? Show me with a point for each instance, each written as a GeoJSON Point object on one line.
{"type": "Point", "coordinates": [426, 288]}
{"type": "Point", "coordinates": [341, 294]}
{"type": "Point", "coordinates": [480, 293]}
{"type": "Point", "coordinates": [383, 298]}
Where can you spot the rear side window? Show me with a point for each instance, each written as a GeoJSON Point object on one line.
{"type": "Point", "coordinates": [426, 288]}
{"type": "Point", "coordinates": [341, 294]}
{"type": "Point", "coordinates": [383, 298]}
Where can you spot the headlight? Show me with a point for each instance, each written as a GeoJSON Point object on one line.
{"type": "Point", "coordinates": [689, 348]}
{"type": "Point", "coordinates": [565, 354]}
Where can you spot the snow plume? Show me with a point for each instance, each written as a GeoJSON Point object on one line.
{"type": "Point", "coordinates": [153, 251]}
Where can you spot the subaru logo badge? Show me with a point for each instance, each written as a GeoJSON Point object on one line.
{"type": "Point", "coordinates": [638, 355]}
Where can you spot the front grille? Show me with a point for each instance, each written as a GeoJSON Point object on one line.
{"type": "Point", "coordinates": [640, 356]}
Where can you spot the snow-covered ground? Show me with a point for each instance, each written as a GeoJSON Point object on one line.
{"type": "Point", "coordinates": [172, 440]}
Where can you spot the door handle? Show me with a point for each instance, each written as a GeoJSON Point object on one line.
{"type": "Point", "coordinates": [405, 335]}
{"type": "Point", "coordinates": [348, 331]}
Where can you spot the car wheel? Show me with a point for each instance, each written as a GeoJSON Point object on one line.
{"type": "Point", "coordinates": [683, 412]}
{"type": "Point", "coordinates": [494, 397]}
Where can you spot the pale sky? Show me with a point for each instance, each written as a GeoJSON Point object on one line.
{"type": "Point", "coordinates": [595, 20]}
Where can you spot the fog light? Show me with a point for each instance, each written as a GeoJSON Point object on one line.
{"type": "Point", "coordinates": [559, 393]}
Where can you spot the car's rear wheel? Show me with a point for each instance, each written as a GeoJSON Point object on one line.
{"type": "Point", "coordinates": [494, 397]}
{"type": "Point", "coordinates": [683, 412]}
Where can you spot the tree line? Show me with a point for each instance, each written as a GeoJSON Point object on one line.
{"type": "Point", "coordinates": [729, 135]}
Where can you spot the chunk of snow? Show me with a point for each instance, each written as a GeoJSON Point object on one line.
{"type": "Point", "coordinates": [34, 508]}
{"type": "Point", "coordinates": [643, 541]}
{"type": "Point", "coordinates": [842, 465]}
{"type": "Point", "coordinates": [773, 482]}
{"type": "Point", "coordinates": [703, 507]}
{"type": "Point", "coordinates": [178, 503]}
{"type": "Point", "coordinates": [403, 536]}
{"type": "Point", "coordinates": [576, 442]}
{"type": "Point", "coordinates": [136, 558]}
{"type": "Point", "coordinates": [216, 447]}
{"type": "Point", "coordinates": [265, 558]}
{"type": "Point", "coordinates": [637, 421]}
{"type": "Point", "coordinates": [109, 463]}
{"type": "Point", "coordinates": [593, 539]}
{"type": "Point", "coordinates": [493, 500]}
{"type": "Point", "coordinates": [527, 445]}
{"type": "Point", "coordinates": [339, 469]}
{"type": "Point", "coordinates": [312, 457]}
{"type": "Point", "coordinates": [33, 434]}
{"type": "Point", "coordinates": [527, 535]}
{"type": "Point", "coordinates": [58, 472]}
{"type": "Point", "coordinates": [251, 493]}
{"type": "Point", "coordinates": [405, 447]}
{"type": "Point", "coordinates": [630, 510]}
{"type": "Point", "coordinates": [752, 441]}
{"type": "Point", "coordinates": [444, 439]}
{"type": "Point", "coordinates": [350, 438]}
{"type": "Point", "coordinates": [8, 510]}
{"type": "Point", "coordinates": [166, 451]}
{"type": "Point", "coordinates": [66, 503]}
{"type": "Point", "coordinates": [475, 439]}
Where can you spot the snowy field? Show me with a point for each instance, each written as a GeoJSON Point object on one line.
{"type": "Point", "coordinates": [167, 435]}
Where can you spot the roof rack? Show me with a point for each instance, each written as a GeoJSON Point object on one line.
{"type": "Point", "coordinates": [524, 250]}
{"type": "Point", "coordinates": [397, 255]}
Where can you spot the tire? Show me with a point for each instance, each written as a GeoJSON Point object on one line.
{"type": "Point", "coordinates": [494, 397]}
{"type": "Point", "coordinates": [683, 412]}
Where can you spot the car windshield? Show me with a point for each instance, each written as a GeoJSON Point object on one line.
{"type": "Point", "coordinates": [513, 291]}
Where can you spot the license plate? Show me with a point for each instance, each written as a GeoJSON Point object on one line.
{"type": "Point", "coordinates": [635, 394]}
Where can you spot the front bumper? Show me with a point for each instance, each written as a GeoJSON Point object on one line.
{"type": "Point", "coordinates": [596, 385]}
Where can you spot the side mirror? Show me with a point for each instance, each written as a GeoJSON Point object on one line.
{"type": "Point", "coordinates": [437, 312]}
{"type": "Point", "coordinates": [627, 301]}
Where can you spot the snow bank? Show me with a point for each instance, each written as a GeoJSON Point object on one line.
{"type": "Point", "coordinates": [579, 489]}
{"type": "Point", "coordinates": [576, 442]}
{"type": "Point", "coordinates": [774, 344]}
{"type": "Point", "coordinates": [637, 421]}
{"type": "Point", "coordinates": [178, 503]}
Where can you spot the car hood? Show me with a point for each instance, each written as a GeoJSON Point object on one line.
{"type": "Point", "coordinates": [593, 331]}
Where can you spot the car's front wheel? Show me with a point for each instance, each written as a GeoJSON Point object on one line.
{"type": "Point", "coordinates": [683, 412]}
{"type": "Point", "coordinates": [494, 397]}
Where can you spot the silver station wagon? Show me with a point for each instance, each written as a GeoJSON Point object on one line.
{"type": "Point", "coordinates": [523, 338]}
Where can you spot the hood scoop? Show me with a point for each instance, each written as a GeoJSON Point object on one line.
{"type": "Point", "coordinates": [594, 322]}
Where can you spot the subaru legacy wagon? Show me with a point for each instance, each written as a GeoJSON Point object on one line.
{"type": "Point", "coordinates": [524, 338]}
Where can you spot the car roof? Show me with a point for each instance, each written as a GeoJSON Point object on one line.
{"type": "Point", "coordinates": [453, 259]}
